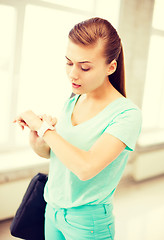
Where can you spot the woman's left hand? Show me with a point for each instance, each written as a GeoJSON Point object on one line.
{"type": "Point", "coordinates": [29, 119]}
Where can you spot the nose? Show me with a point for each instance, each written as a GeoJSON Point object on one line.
{"type": "Point", "coordinates": [73, 73]}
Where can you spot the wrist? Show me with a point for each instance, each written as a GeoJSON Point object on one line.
{"type": "Point", "coordinates": [38, 124]}
{"type": "Point", "coordinates": [44, 128]}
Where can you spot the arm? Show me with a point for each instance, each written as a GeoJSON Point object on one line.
{"type": "Point", "coordinates": [39, 146]}
{"type": "Point", "coordinates": [84, 164]}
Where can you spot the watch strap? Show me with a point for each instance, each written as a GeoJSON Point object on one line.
{"type": "Point", "coordinates": [44, 127]}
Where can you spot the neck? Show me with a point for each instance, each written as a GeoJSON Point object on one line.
{"type": "Point", "coordinates": [106, 91]}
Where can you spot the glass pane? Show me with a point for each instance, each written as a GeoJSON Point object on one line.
{"type": "Point", "coordinates": [7, 31]}
{"type": "Point", "coordinates": [153, 102]}
{"type": "Point", "coordinates": [109, 10]}
{"type": "Point", "coordinates": [44, 86]}
{"type": "Point", "coordinates": [86, 5]}
{"type": "Point", "coordinates": [158, 16]}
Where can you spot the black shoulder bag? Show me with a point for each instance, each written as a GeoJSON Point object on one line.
{"type": "Point", "coordinates": [28, 222]}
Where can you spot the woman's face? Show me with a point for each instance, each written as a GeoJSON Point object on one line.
{"type": "Point", "coordinates": [86, 67]}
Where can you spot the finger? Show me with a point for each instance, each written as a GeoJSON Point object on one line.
{"type": "Point", "coordinates": [54, 121]}
{"type": "Point", "coordinates": [21, 125]}
{"type": "Point", "coordinates": [23, 122]}
{"type": "Point", "coordinates": [41, 117]}
{"type": "Point", "coordinates": [51, 120]}
{"type": "Point", "coordinates": [17, 119]}
{"type": "Point", "coordinates": [20, 122]}
{"type": "Point", "coordinates": [48, 119]}
{"type": "Point", "coordinates": [34, 133]}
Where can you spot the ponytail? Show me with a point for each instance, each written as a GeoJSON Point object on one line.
{"type": "Point", "coordinates": [117, 79]}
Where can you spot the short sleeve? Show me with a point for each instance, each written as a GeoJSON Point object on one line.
{"type": "Point", "coordinates": [126, 126]}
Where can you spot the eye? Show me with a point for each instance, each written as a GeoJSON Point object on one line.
{"type": "Point", "coordinates": [85, 69]}
{"type": "Point", "coordinates": [69, 63]}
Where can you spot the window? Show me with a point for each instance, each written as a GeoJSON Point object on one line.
{"type": "Point", "coordinates": [153, 102]}
{"type": "Point", "coordinates": [158, 17]}
{"type": "Point", "coordinates": [84, 5]}
{"type": "Point", "coordinates": [44, 85]}
{"type": "Point", "coordinates": [32, 57]}
{"type": "Point", "coordinates": [109, 10]}
{"type": "Point", "coordinates": [7, 40]}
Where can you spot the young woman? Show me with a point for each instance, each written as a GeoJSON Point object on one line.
{"type": "Point", "coordinates": [90, 143]}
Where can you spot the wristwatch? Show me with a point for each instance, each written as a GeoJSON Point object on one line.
{"type": "Point", "coordinates": [44, 127]}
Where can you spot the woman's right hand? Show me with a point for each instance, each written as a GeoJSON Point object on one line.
{"type": "Point", "coordinates": [38, 144]}
{"type": "Point", "coordinates": [35, 139]}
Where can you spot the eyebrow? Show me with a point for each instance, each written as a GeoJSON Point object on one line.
{"type": "Point", "coordinates": [78, 62]}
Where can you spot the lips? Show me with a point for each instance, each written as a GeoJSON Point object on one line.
{"type": "Point", "coordinates": [74, 85]}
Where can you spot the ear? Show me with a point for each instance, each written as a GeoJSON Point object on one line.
{"type": "Point", "coordinates": [112, 67]}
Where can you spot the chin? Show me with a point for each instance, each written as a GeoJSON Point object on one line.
{"type": "Point", "coordinates": [77, 91]}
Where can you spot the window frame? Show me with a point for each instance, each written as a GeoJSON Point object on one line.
{"type": "Point", "coordinates": [20, 8]}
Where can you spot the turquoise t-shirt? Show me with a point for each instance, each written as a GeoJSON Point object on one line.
{"type": "Point", "coordinates": [64, 189]}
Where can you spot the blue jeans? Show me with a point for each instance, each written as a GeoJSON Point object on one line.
{"type": "Point", "coordinates": [85, 222]}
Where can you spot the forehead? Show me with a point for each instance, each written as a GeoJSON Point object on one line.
{"type": "Point", "coordinates": [80, 53]}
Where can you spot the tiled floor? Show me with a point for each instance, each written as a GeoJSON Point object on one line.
{"type": "Point", "coordinates": [138, 209]}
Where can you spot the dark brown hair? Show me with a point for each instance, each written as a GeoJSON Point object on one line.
{"type": "Point", "coordinates": [89, 32]}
